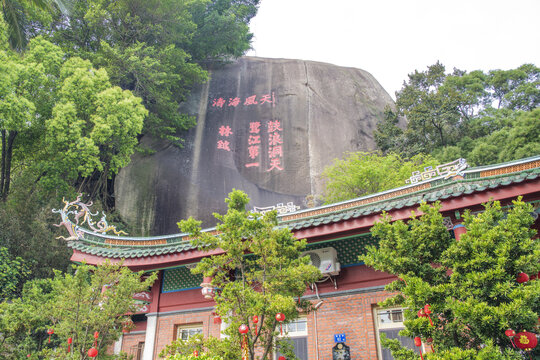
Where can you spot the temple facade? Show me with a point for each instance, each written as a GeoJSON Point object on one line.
{"type": "Point", "coordinates": [346, 298]}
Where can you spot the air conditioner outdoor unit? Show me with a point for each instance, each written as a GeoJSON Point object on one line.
{"type": "Point", "coordinates": [325, 259]}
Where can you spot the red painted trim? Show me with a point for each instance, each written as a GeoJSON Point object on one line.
{"type": "Point", "coordinates": [147, 262]}
{"type": "Point", "coordinates": [362, 224]}
{"type": "Point", "coordinates": [329, 231]}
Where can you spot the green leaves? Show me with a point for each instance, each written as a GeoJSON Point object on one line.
{"type": "Point", "coordinates": [260, 271]}
{"type": "Point", "coordinates": [364, 173]}
{"type": "Point", "coordinates": [469, 115]}
{"type": "Point", "coordinates": [470, 284]}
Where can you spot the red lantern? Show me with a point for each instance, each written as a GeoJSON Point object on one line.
{"type": "Point", "coordinates": [522, 278]}
{"type": "Point", "coordinates": [92, 352]}
{"type": "Point", "coordinates": [50, 332]}
{"type": "Point", "coordinates": [429, 342]}
{"type": "Point", "coordinates": [243, 329]}
{"type": "Point", "coordinates": [96, 336]}
{"type": "Point", "coordinates": [418, 342]}
{"type": "Point", "coordinates": [427, 310]}
{"type": "Point", "coordinates": [70, 341]}
{"type": "Point", "coordinates": [510, 333]}
{"type": "Point", "coordinates": [127, 326]}
{"type": "Point", "coordinates": [255, 320]}
{"type": "Point", "coordinates": [421, 313]}
{"type": "Point", "coordinates": [281, 358]}
{"type": "Point", "coordinates": [526, 340]}
{"type": "Point", "coordinates": [280, 317]}
{"type": "Point", "coordinates": [195, 353]}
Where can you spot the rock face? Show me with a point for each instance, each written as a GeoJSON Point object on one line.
{"type": "Point", "coordinates": [265, 126]}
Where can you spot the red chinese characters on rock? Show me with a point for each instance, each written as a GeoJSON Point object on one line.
{"type": "Point", "coordinates": [275, 141]}
{"type": "Point", "coordinates": [251, 100]}
{"type": "Point", "coordinates": [254, 144]}
{"type": "Point", "coordinates": [224, 131]}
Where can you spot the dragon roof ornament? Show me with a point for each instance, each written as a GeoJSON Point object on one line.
{"type": "Point", "coordinates": [81, 214]}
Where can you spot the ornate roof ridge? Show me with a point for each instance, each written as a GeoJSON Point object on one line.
{"type": "Point", "coordinates": [473, 180]}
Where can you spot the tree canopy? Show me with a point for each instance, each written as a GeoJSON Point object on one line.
{"type": "Point", "coordinates": [470, 285]}
{"type": "Point", "coordinates": [364, 173]}
{"type": "Point", "coordinates": [260, 272]}
{"type": "Point", "coordinates": [452, 115]}
{"type": "Point", "coordinates": [74, 306]}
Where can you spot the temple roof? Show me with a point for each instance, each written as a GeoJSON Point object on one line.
{"type": "Point", "coordinates": [470, 181]}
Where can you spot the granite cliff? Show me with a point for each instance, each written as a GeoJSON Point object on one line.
{"type": "Point", "coordinates": [266, 126]}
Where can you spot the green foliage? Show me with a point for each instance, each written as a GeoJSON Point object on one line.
{"type": "Point", "coordinates": [470, 284]}
{"type": "Point", "coordinates": [13, 271]}
{"type": "Point", "coordinates": [224, 349]}
{"type": "Point", "coordinates": [455, 115]}
{"type": "Point", "coordinates": [363, 173]}
{"type": "Point", "coordinates": [157, 49]}
{"type": "Point", "coordinates": [74, 305]}
{"type": "Point", "coordinates": [258, 271]}
{"type": "Point", "coordinates": [201, 356]}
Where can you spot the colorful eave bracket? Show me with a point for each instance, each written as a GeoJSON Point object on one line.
{"type": "Point", "coordinates": [94, 246]}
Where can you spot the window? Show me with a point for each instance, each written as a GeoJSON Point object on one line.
{"type": "Point", "coordinates": [138, 351]}
{"type": "Point", "coordinates": [390, 323]}
{"type": "Point", "coordinates": [297, 333]}
{"type": "Point", "coordinates": [184, 332]}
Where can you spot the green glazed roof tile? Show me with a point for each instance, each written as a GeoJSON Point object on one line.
{"type": "Point", "coordinates": [132, 247]}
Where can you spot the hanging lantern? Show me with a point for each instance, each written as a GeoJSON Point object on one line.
{"type": "Point", "coordinates": [281, 358]}
{"type": "Point", "coordinates": [429, 342]}
{"type": "Point", "coordinates": [50, 332]}
{"type": "Point", "coordinates": [421, 313]}
{"type": "Point", "coordinates": [208, 290]}
{"type": "Point", "coordinates": [522, 278]}
{"type": "Point", "coordinates": [243, 329]}
{"type": "Point", "coordinates": [127, 326]}
{"type": "Point", "coordinates": [280, 317]}
{"type": "Point", "coordinates": [96, 336]}
{"type": "Point", "coordinates": [70, 341]}
{"type": "Point", "coordinates": [510, 333]}
{"type": "Point", "coordinates": [418, 342]}
{"type": "Point", "coordinates": [195, 353]}
{"type": "Point", "coordinates": [92, 352]}
{"type": "Point", "coordinates": [427, 310]}
{"type": "Point", "coordinates": [255, 320]}
{"type": "Point", "coordinates": [526, 340]}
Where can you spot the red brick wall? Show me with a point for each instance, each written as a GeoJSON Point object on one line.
{"type": "Point", "coordinates": [130, 342]}
{"type": "Point", "coordinates": [351, 315]}
{"type": "Point", "coordinates": [348, 314]}
{"type": "Point", "coordinates": [166, 325]}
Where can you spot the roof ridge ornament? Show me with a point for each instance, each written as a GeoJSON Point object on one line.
{"type": "Point", "coordinates": [78, 209]}
{"type": "Point", "coordinates": [447, 170]}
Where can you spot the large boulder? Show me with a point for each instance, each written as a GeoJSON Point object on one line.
{"type": "Point", "coordinates": [265, 126]}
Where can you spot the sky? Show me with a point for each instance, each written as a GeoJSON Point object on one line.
{"type": "Point", "coordinates": [392, 38]}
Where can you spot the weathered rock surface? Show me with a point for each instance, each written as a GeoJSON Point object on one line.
{"type": "Point", "coordinates": [266, 126]}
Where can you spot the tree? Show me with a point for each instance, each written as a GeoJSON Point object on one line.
{"type": "Point", "coordinates": [260, 272]}
{"type": "Point", "coordinates": [157, 49]}
{"type": "Point", "coordinates": [13, 271]}
{"type": "Point", "coordinates": [74, 306]}
{"type": "Point", "coordinates": [470, 284]}
{"type": "Point", "coordinates": [18, 13]}
{"type": "Point", "coordinates": [447, 113]}
{"type": "Point", "coordinates": [363, 173]}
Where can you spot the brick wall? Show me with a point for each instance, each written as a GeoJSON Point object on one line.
{"type": "Point", "coordinates": [351, 315]}
{"type": "Point", "coordinates": [346, 314]}
{"type": "Point", "coordinates": [166, 325]}
{"type": "Point", "coordinates": [130, 342]}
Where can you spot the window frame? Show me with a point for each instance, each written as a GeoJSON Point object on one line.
{"type": "Point", "coordinates": [178, 328]}
{"type": "Point", "coordinates": [393, 325]}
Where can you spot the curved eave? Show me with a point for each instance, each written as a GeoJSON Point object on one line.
{"type": "Point", "coordinates": [364, 222]}
{"type": "Point", "coordinates": [146, 262]}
